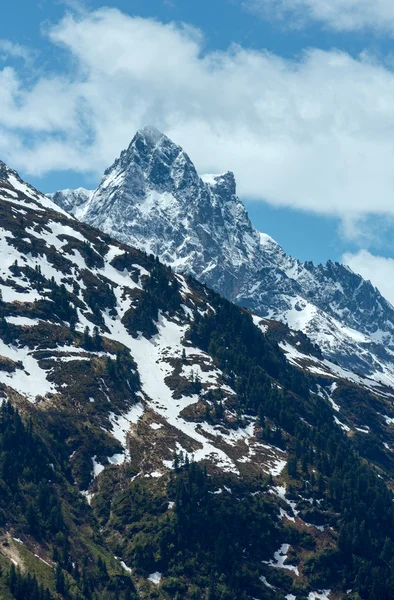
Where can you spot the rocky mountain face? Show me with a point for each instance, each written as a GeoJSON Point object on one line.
{"type": "Point", "coordinates": [153, 198]}
{"type": "Point", "coordinates": [72, 200]}
{"type": "Point", "coordinates": [157, 441]}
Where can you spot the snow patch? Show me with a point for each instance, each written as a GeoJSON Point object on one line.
{"type": "Point", "coordinates": [279, 560]}
{"type": "Point", "coordinates": [155, 578]}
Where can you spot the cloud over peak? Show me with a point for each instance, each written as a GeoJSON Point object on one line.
{"type": "Point", "coordinates": [316, 133]}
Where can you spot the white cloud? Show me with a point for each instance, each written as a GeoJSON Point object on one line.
{"type": "Point", "coordinates": [338, 15]}
{"type": "Point", "coordinates": [377, 269]}
{"type": "Point", "coordinates": [315, 134]}
{"type": "Point", "coordinates": [10, 49]}
{"type": "Point", "coordinates": [78, 6]}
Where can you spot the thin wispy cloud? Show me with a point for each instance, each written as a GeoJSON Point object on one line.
{"type": "Point", "coordinates": [77, 6]}
{"type": "Point", "coordinates": [10, 49]}
{"type": "Point", "coordinates": [337, 15]}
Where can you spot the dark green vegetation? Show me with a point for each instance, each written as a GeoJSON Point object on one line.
{"type": "Point", "coordinates": [38, 501]}
{"type": "Point", "coordinates": [359, 502]}
{"type": "Point", "coordinates": [199, 545]}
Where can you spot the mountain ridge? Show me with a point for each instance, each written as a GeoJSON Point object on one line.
{"type": "Point", "coordinates": [153, 198]}
{"type": "Point", "coordinates": [157, 441]}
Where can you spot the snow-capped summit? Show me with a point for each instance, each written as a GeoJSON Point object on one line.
{"type": "Point", "coordinates": [151, 133]}
{"type": "Point", "coordinates": [163, 163]}
{"type": "Point", "coordinates": [153, 198]}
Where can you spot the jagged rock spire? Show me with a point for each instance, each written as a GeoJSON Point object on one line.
{"type": "Point", "coordinates": [153, 198]}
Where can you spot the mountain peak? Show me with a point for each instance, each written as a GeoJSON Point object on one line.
{"type": "Point", "coordinates": [153, 198]}
{"type": "Point", "coordinates": [5, 171]}
{"type": "Point", "coordinates": [148, 144]}
{"type": "Point", "coordinates": [151, 134]}
{"type": "Point", "coordinates": [154, 160]}
{"type": "Point", "coordinates": [147, 140]}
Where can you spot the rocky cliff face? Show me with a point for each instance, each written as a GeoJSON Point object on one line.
{"type": "Point", "coordinates": [72, 200]}
{"type": "Point", "coordinates": [153, 198]}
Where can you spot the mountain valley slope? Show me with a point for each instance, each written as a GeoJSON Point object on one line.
{"type": "Point", "coordinates": [157, 441]}
{"type": "Point", "coordinates": [153, 198]}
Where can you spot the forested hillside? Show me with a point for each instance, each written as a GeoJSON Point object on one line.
{"type": "Point", "coordinates": [156, 441]}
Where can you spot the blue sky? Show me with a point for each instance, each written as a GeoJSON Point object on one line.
{"type": "Point", "coordinates": [299, 104]}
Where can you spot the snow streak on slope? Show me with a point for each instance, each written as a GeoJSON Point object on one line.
{"type": "Point", "coordinates": [153, 198]}
{"type": "Point", "coordinates": [150, 356]}
{"type": "Point", "coordinates": [111, 340]}
{"type": "Point", "coordinates": [50, 259]}
{"type": "Point", "coordinates": [14, 188]}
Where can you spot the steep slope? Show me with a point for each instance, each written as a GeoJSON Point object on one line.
{"type": "Point", "coordinates": [164, 425]}
{"type": "Point", "coordinates": [153, 198]}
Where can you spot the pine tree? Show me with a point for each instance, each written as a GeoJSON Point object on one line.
{"type": "Point", "coordinates": [60, 580]}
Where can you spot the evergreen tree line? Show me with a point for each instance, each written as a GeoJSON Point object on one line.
{"type": "Point", "coordinates": [24, 475]}
{"type": "Point", "coordinates": [161, 292]}
{"type": "Point", "coordinates": [363, 559]}
{"type": "Point", "coordinates": [200, 544]}
{"type": "Point", "coordinates": [25, 586]}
